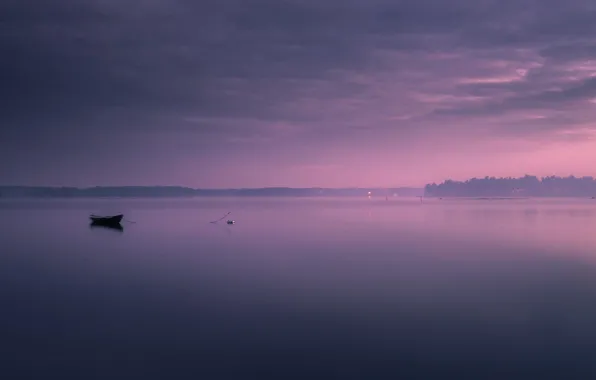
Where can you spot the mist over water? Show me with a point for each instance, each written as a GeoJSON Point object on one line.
{"type": "Point", "coordinates": [299, 288]}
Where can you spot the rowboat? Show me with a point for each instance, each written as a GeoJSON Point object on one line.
{"type": "Point", "coordinates": [106, 220]}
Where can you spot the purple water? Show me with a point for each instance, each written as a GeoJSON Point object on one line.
{"type": "Point", "coordinates": [299, 288]}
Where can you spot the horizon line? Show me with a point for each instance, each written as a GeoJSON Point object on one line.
{"type": "Point", "coordinates": [304, 187]}
{"type": "Point", "coordinates": [212, 188]}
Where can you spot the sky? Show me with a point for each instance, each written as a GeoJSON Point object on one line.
{"type": "Point", "coordinates": [301, 93]}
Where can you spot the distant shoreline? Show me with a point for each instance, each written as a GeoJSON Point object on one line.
{"type": "Point", "coordinates": [488, 188]}
{"type": "Point", "coordinates": [526, 186]}
{"type": "Point", "coordinates": [186, 192]}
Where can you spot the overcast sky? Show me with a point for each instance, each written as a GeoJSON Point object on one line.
{"type": "Point", "coordinates": [250, 93]}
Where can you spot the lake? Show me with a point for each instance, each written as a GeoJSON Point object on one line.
{"type": "Point", "coordinates": [299, 289]}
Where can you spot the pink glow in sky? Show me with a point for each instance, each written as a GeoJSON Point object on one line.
{"type": "Point", "coordinates": [332, 93]}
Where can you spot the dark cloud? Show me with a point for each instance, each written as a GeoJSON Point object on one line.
{"type": "Point", "coordinates": [559, 98]}
{"type": "Point", "coordinates": [178, 55]}
{"type": "Point", "coordinates": [574, 51]}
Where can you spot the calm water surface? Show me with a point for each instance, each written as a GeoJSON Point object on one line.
{"type": "Point", "coordinates": [299, 288]}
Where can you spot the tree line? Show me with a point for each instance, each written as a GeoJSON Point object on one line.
{"type": "Point", "coordinates": [526, 186]}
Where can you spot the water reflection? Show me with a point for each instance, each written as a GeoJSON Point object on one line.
{"type": "Point", "coordinates": [224, 228]}
{"type": "Point", "coordinates": [305, 289]}
{"type": "Point", "coordinates": [112, 227]}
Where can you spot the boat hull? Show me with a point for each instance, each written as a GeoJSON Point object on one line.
{"type": "Point", "coordinates": [106, 220]}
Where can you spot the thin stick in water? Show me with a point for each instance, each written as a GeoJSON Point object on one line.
{"type": "Point", "coordinates": [215, 221]}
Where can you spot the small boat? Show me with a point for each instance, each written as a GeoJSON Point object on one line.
{"type": "Point", "coordinates": [106, 220]}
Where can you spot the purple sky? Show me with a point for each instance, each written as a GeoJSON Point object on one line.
{"type": "Point", "coordinates": [250, 93]}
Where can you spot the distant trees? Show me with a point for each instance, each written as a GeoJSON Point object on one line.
{"type": "Point", "coordinates": [527, 185]}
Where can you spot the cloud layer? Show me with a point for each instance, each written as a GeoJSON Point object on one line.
{"type": "Point", "coordinates": [301, 83]}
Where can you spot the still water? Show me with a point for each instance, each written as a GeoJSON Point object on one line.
{"type": "Point", "coordinates": [299, 288]}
